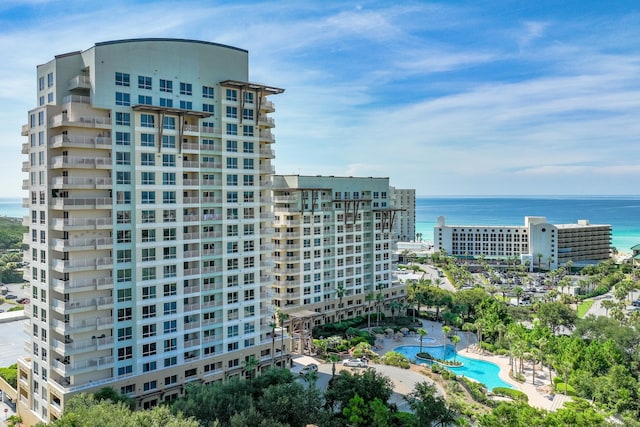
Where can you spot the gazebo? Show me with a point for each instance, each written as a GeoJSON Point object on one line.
{"type": "Point", "coordinates": [301, 327]}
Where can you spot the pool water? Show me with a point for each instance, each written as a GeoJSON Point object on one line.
{"type": "Point", "coordinates": [478, 370]}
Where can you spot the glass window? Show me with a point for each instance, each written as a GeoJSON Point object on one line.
{"type": "Point", "coordinates": [247, 147]}
{"type": "Point", "coordinates": [232, 129]}
{"type": "Point", "coordinates": [123, 177]}
{"type": "Point", "coordinates": [166, 86]}
{"type": "Point", "coordinates": [169, 197]}
{"type": "Point", "coordinates": [148, 197]}
{"type": "Point", "coordinates": [147, 140]}
{"type": "Point", "coordinates": [123, 99]}
{"type": "Point", "coordinates": [169, 160]}
{"type": "Point", "coordinates": [144, 99]}
{"type": "Point", "coordinates": [232, 146]}
{"type": "Point", "coordinates": [208, 108]}
{"type": "Point", "coordinates": [248, 97]}
{"type": "Point", "coordinates": [232, 163]}
{"type": "Point", "coordinates": [247, 163]}
{"type": "Point", "coordinates": [207, 92]}
{"type": "Point", "coordinates": [123, 119]}
{"type": "Point", "coordinates": [231, 95]}
{"type": "Point", "coordinates": [166, 102]}
{"type": "Point", "coordinates": [148, 216]}
{"type": "Point", "coordinates": [122, 79]}
{"type": "Point", "coordinates": [168, 141]}
{"type": "Point", "coordinates": [232, 112]}
{"type": "Point", "coordinates": [186, 105]}
{"type": "Point", "coordinates": [169, 123]}
{"type": "Point", "coordinates": [144, 82]}
{"type": "Point", "coordinates": [148, 178]}
{"type": "Point", "coordinates": [123, 138]}
{"type": "Point", "coordinates": [168, 178]}
{"type": "Point", "coordinates": [185, 88]}
{"type": "Point", "coordinates": [147, 159]}
{"type": "Point", "coordinates": [247, 114]}
{"type": "Point", "coordinates": [147, 120]}
{"type": "Point", "coordinates": [247, 130]}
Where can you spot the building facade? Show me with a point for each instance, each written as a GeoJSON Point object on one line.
{"type": "Point", "coordinates": [544, 245]}
{"type": "Point", "coordinates": [333, 241]}
{"type": "Point", "coordinates": [405, 223]}
{"type": "Point", "coordinates": [150, 222]}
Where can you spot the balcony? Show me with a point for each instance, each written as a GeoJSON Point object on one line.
{"type": "Point", "coordinates": [63, 245]}
{"type": "Point", "coordinates": [87, 304]}
{"type": "Point", "coordinates": [86, 325]}
{"type": "Point", "coordinates": [25, 130]}
{"type": "Point", "coordinates": [70, 286]}
{"type": "Point", "coordinates": [80, 82]}
{"type": "Point", "coordinates": [82, 366]}
{"type": "Point", "coordinates": [266, 121]}
{"type": "Point", "coordinates": [25, 167]}
{"type": "Point", "coordinates": [60, 182]}
{"type": "Point", "coordinates": [266, 136]}
{"type": "Point", "coordinates": [83, 121]}
{"type": "Point", "coordinates": [76, 99]}
{"type": "Point", "coordinates": [65, 141]}
{"type": "Point", "coordinates": [82, 203]}
{"type": "Point", "coordinates": [25, 148]}
{"type": "Point", "coordinates": [267, 106]}
{"type": "Point", "coordinates": [68, 266]}
{"type": "Point", "coordinates": [81, 162]}
{"type": "Point", "coordinates": [267, 169]}
{"type": "Point", "coordinates": [67, 224]}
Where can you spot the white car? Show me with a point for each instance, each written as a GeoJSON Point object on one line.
{"type": "Point", "coordinates": [309, 368]}
{"type": "Point", "coordinates": [354, 363]}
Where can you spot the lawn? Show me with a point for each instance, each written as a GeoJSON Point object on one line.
{"type": "Point", "coordinates": [583, 307]}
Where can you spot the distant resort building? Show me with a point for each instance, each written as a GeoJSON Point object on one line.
{"type": "Point", "coordinates": [635, 254]}
{"type": "Point", "coordinates": [544, 245]}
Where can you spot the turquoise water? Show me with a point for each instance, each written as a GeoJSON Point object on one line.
{"type": "Point", "coordinates": [622, 212]}
{"type": "Point", "coordinates": [479, 370]}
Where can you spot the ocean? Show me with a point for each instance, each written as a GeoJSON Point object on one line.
{"type": "Point", "coordinates": [622, 212]}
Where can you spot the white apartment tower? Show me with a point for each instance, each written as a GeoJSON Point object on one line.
{"type": "Point", "coordinates": [405, 223]}
{"type": "Point", "coordinates": [333, 241]}
{"type": "Point", "coordinates": [150, 222]}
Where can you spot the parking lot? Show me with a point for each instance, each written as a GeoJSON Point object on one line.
{"type": "Point", "coordinates": [11, 294]}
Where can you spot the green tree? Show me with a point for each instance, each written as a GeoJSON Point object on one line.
{"type": "Point", "coordinates": [455, 340]}
{"type": "Point", "coordinates": [369, 385]}
{"type": "Point", "coordinates": [555, 314]}
{"type": "Point", "coordinates": [430, 409]}
{"type": "Point", "coordinates": [422, 333]}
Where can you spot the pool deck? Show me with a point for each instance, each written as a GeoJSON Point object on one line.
{"type": "Point", "coordinates": [538, 393]}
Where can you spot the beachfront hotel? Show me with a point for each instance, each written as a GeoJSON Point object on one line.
{"type": "Point", "coordinates": [333, 244]}
{"type": "Point", "coordinates": [544, 245]}
{"type": "Point", "coordinates": [405, 222]}
{"type": "Point", "coordinates": [150, 222]}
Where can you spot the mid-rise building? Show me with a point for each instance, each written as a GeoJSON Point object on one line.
{"type": "Point", "coordinates": [150, 222]}
{"type": "Point", "coordinates": [333, 242]}
{"type": "Point", "coordinates": [544, 245]}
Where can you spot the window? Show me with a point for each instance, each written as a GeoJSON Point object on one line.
{"type": "Point", "coordinates": [166, 102]}
{"type": "Point", "coordinates": [170, 289]}
{"type": "Point", "coordinates": [169, 197]}
{"type": "Point", "coordinates": [169, 252]}
{"type": "Point", "coordinates": [147, 159]}
{"type": "Point", "coordinates": [170, 308]}
{"type": "Point", "coordinates": [150, 366]}
{"type": "Point", "coordinates": [247, 163]}
{"type": "Point", "coordinates": [151, 385]}
{"type": "Point", "coordinates": [232, 146]}
{"type": "Point", "coordinates": [149, 349]}
{"type": "Point", "coordinates": [232, 196]}
{"type": "Point", "coordinates": [148, 236]}
{"type": "Point", "coordinates": [144, 99]}
{"type": "Point", "coordinates": [232, 129]}
{"type": "Point", "coordinates": [123, 177]}
{"type": "Point", "coordinates": [169, 160]}
{"type": "Point", "coordinates": [186, 105]}
{"type": "Point", "coordinates": [208, 108]}
{"type": "Point", "coordinates": [168, 178]}
{"type": "Point", "coordinates": [248, 180]}
{"type": "Point", "coordinates": [169, 215]}
{"type": "Point", "coordinates": [123, 99]}
{"type": "Point", "coordinates": [124, 295]}
{"type": "Point", "coordinates": [247, 130]}
{"type": "Point", "coordinates": [170, 326]}
{"type": "Point", "coordinates": [149, 330]}
{"type": "Point", "coordinates": [169, 123]}
{"type": "Point", "coordinates": [148, 216]}
{"type": "Point", "coordinates": [166, 86]}
{"type": "Point", "coordinates": [144, 82]}
{"type": "Point", "coordinates": [247, 114]}
{"type": "Point", "coordinates": [185, 88]}
{"type": "Point", "coordinates": [41, 83]}
{"type": "Point", "coordinates": [169, 234]}
{"type": "Point", "coordinates": [123, 138]}
{"type": "Point", "coordinates": [148, 254]}
{"type": "Point", "coordinates": [232, 112]}
{"type": "Point", "coordinates": [148, 273]}
{"type": "Point", "coordinates": [125, 353]}
{"type": "Point", "coordinates": [232, 179]}
{"type": "Point", "coordinates": [124, 333]}
{"type": "Point", "coordinates": [169, 271]}
{"type": "Point", "coordinates": [231, 95]}
{"type": "Point", "coordinates": [122, 79]}
{"type": "Point", "coordinates": [170, 344]}
{"type": "Point", "coordinates": [148, 311]}
{"type": "Point", "coordinates": [124, 255]}
{"type": "Point", "coordinates": [50, 97]}
{"type": "Point", "coordinates": [123, 158]}
{"type": "Point", "coordinates": [232, 163]}
{"type": "Point", "coordinates": [247, 147]}
{"type": "Point", "coordinates": [147, 140]}
{"type": "Point", "coordinates": [124, 313]}
{"type": "Point", "coordinates": [147, 120]}
{"type": "Point", "coordinates": [207, 92]}
{"type": "Point", "coordinates": [248, 97]}
{"type": "Point", "coordinates": [123, 236]}
{"type": "Point", "coordinates": [147, 178]}
{"type": "Point", "coordinates": [123, 119]}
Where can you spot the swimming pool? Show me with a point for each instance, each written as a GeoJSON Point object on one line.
{"type": "Point", "coordinates": [479, 370]}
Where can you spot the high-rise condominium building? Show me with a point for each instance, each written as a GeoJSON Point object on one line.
{"type": "Point", "coordinates": [150, 218]}
{"type": "Point", "coordinates": [405, 223]}
{"type": "Point", "coordinates": [333, 242]}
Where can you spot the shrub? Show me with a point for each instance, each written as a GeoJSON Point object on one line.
{"type": "Point", "coordinates": [10, 375]}
{"type": "Point", "coordinates": [488, 346]}
{"type": "Point", "coordinates": [393, 358]}
{"type": "Point", "coordinates": [560, 389]}
{"type": "Point", "coordinates": [16, 308]}
{"type": "Point", "coordinates": [516, 395]}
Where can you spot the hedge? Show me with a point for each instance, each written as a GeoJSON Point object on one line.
{"type": "Point", "coordinates": [10, 375]}
{"type": "Point", "coordinates": [516, 395]}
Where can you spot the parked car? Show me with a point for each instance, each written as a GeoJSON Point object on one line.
{"type": "Point", "coordinates": [636, 303]}
{"type": "Point", "coordinates": [11, 296]}
{"type": "Point", "coordinates": [24, 301]}
{"type": "Point", "coordinates": [354, 363]}
{"type": "Point", "coordinates": [312, 367]}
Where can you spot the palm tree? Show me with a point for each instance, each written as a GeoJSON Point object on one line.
{"type": "Point", "coordinates": [250, 364]}
{"type": "Point", "coordinates": [273, 325]}
{"type": "Point", "coordinates": [333, 358]}
{"type": "Point", "coordinates": [394, 305]}
{"type": "Point", "coordinates": [369, 298]}
{"type": "Point", "coordinates": [282, 317]}
{"type": "Point", "coordinates": [379, 300]}
{"type": "Point", "coordinates": [455, 340]}
{"type": "Point", "coordinates": [340, 295]}
{"type": "Point", "coordinates": [446, 330]}
{"type": "Point", "coordinates": [539, 258]}
{"type": "Point", "coordinates": [423, 333]}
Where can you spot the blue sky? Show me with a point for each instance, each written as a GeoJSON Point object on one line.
{"type": "Point", "coordinates": [450, 98]}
